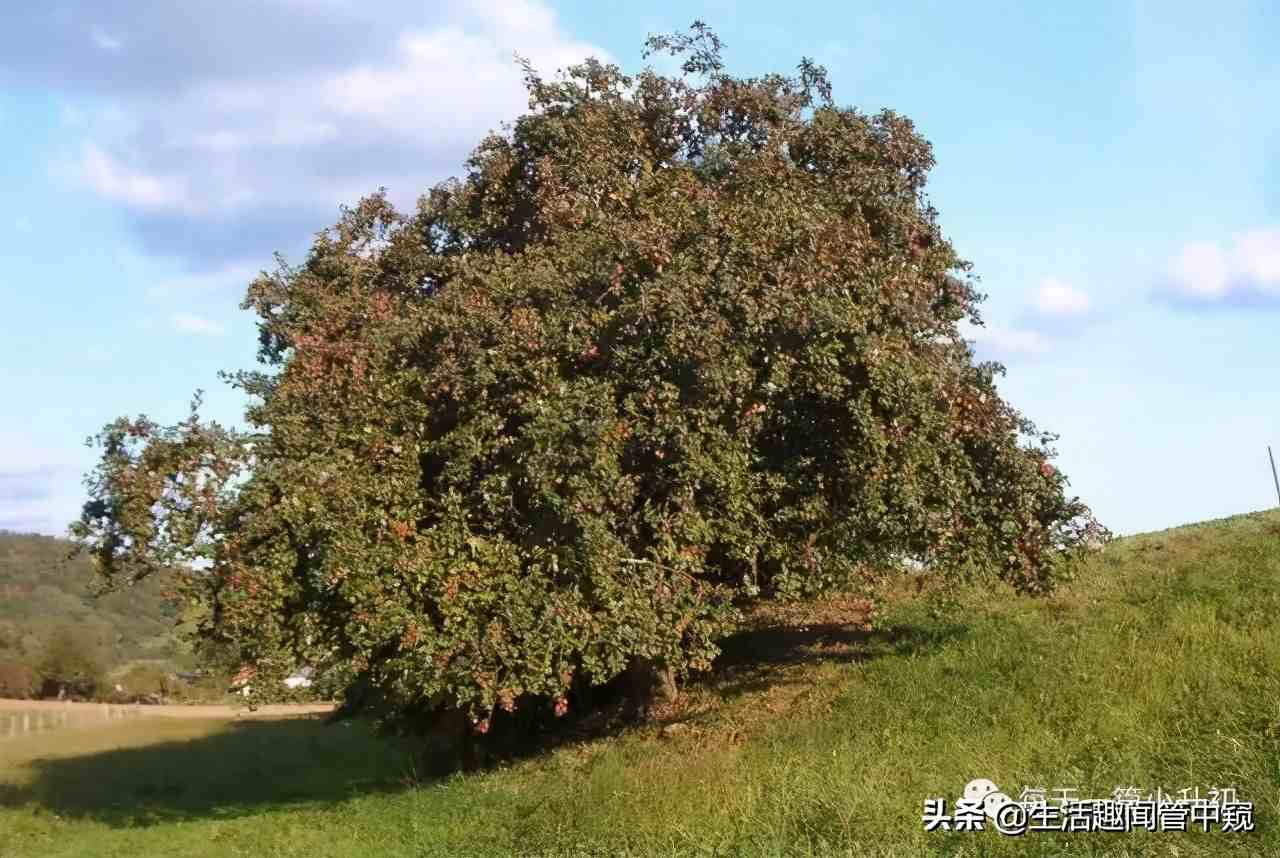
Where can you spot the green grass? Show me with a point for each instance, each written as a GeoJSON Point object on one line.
{"type": "Point", "coordinates": [1158, 666]}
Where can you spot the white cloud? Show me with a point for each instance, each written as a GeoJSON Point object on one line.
{"type": "Point", "coordinates": [1058, 300]}
{"type": "Point", "coordinates": [1056, 309]}
{"type": "Point", "coordinates": [1002, 341]}
{"type": "Point", "coordinates": [106, 42]}
{"type": "Point", "coordinates": [1249, 268]}
{"type": "Point", "coordinates": [225, 160]}
{"type": "Point", "coordinates": [115, 181]}
{"type": "Point", "coordinates": [1202, 270]}
{"type": "Point", "coordinates": [189, 323]}
{"type": "Point", "coordinates": [447, 84]}
{"type": "Point", "coordinates": [1257, 257]}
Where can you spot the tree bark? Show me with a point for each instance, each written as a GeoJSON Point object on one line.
{"type": "Point", "coordinates": [651, 685]}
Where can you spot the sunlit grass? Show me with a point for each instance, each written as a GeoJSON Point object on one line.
{"type": "Point", "coordinates": [1158, 666]}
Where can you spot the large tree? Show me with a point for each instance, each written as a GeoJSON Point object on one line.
{"type": "Point", "coordinates": [672, 345]}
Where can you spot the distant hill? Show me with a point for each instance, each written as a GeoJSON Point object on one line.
{"type": "Point", "coordinates": [42, 592]}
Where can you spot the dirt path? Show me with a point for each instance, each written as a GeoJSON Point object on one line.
{"type": "Point", "coordinates": [167, 711]}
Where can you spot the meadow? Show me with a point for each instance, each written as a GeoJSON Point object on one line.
{"type": "Point", "coordinates": [1157, 666]}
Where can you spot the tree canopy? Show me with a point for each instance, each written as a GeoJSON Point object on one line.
{"type": "Point", "coordinates": [671, 345]}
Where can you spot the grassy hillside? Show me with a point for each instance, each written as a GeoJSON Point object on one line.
{"type": "Point", "coordinates": [41, 594]}
{"type": "Point", "coordinates": [1158, 667]}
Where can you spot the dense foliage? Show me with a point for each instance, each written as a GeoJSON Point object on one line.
{"type": "Point", "coordinates": [672, 344]}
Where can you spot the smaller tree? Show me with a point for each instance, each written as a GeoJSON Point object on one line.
{"type": "Point", "coordinates": [72, 664]}
{"type": "Point", "coordinates": [147, 680]}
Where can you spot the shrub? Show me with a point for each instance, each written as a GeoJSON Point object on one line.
{"type": "Point", "coordinates": [672, 345]}
{"type": "Point", "coordinates": [71, 664]}
{"type": "Point", "coordinates": [145, 680]}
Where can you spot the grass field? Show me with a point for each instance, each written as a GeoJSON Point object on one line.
{"type": "Point", "coordinates": [1159, 666]}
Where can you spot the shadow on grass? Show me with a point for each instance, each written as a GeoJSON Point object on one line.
{"type": "Point", "coordinates": [755, 659]}
{"type": "Point", "coordinates": [247, 767]}
{"type": "Point", "coordinates": [252, 767]}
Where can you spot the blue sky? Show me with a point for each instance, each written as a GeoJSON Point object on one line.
{"type": "Point", "coordinates": [1111, 169]}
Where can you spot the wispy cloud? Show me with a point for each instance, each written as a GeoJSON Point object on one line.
{"type": "Point", "coordinates": [996, 341]}
{"type": "Point", "coordinates": [189, 323]}
{"type": "Point", "coordinates": [106, 42]}
{"type": "Point", "coordinates": [1243, 271]}
{"type": "Point", "coordinates": [1056, 299]}
{"type": "Point", "coordinates": [1055, 309]}
{"type": "Point", "coordinates": [110, 178]}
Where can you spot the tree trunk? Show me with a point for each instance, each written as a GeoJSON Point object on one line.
{"type": "Point", "coordinates": [651, 685]}
{"type": "Point", "coordinates": [472, 748]}
{"type": "Point", "coordinates": [471, 752]}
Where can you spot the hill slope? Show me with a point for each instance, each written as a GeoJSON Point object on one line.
{"type": "Point", "coordinates": [42, 593]}
{"type": "Point", "coordinates": [1159, 666]}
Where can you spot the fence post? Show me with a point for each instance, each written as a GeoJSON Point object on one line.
{"type": "Point", "coordinates": [1274, 478]}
